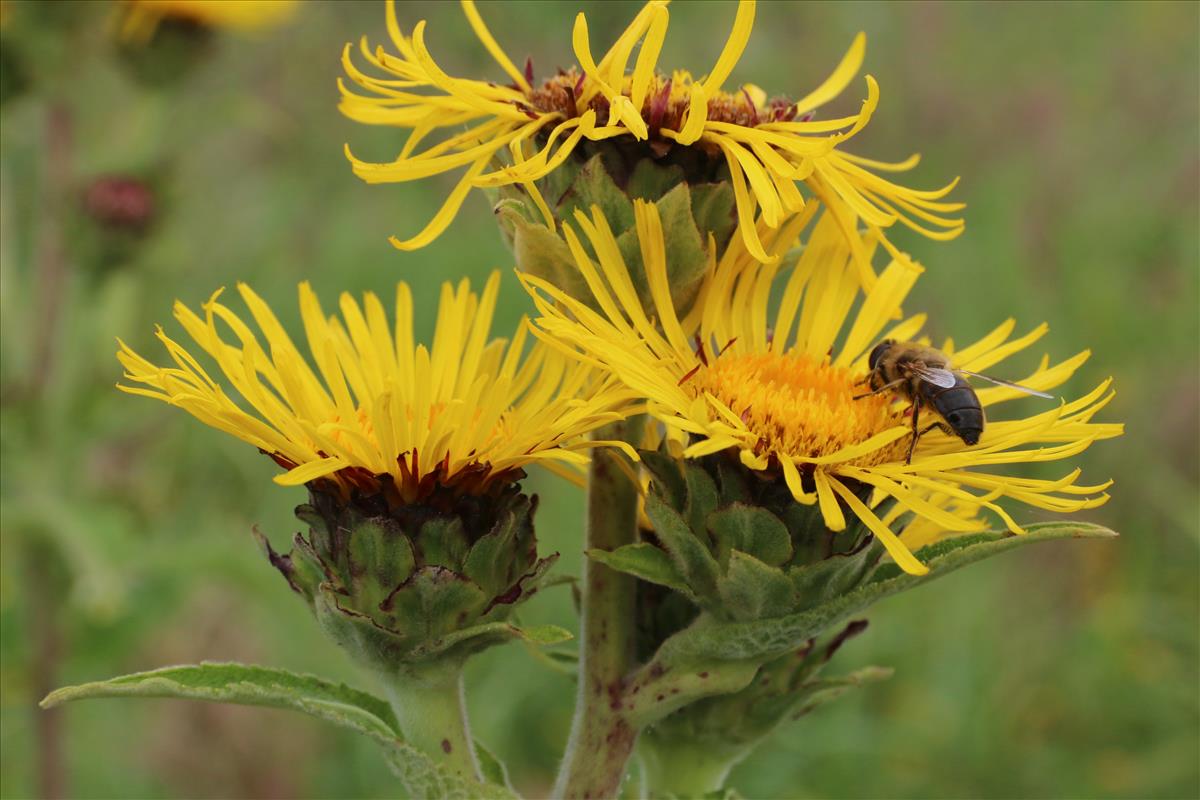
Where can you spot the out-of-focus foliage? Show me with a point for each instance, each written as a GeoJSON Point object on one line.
{"type": "Point", "coordinates": [1064, 670]}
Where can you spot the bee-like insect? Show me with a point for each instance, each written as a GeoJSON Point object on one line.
{"type": "Point", "coordinates": [924, 376]}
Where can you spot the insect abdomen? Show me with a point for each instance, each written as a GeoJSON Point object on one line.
{"type": "Point", "coordinates": [960, 407]}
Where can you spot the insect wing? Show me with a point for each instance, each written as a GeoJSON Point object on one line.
{"type": "Point", "coordinates": [942, 378]}
{"type": "Point", "coordinates": [1009, 384]}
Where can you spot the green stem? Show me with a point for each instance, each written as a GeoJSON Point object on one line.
{"type": "Point", "coordinates": [431, 710]}
{"type": "Point", "coordinates": [685, 768]}
{"type": "Point", "coordinates": [602, 737]}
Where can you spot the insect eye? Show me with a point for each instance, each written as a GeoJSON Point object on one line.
{"type": "Point", "coordinates": [953, 418]}
{"type": "Point", "coordinates": [877, 353]}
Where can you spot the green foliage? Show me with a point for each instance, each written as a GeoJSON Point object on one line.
{"type": "Point", "coordinates": [148, 512]}
{"type": "Point", "coordinates": [721, 654]}
{"type": "Point", "coordinates": [709, 638]}
{"type": "Point", "coordinates": [690, 212]}
{"type": "Point", "coordinates": [738, 545]}
{"type": "Point", "coordinates": [433, 579]}
{"type": "Point", "coordinates": [336, 703]}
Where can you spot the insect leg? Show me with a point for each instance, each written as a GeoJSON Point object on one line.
{"type": "Point", "coordinates": [943, 427]}
{"type": "Point", "coordinates": [881, 389]}
{"type": "Point", "coordinates": [915, 434]}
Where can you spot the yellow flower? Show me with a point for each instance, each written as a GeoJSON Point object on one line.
{"type": "Point", "coordinates": [769, 147]}
{"type": "Point", "coordinates": [778, 387]}
{"type": "Point", "coordinates": [460, 413]}
{"type": "Point", "coordinates": [141, 17]}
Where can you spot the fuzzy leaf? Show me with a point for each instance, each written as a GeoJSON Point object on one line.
{"type": "Point", "coordinates": [644, 560]}
{"type": "Point", "coordinates": [651, 181]}
{"type": "Point", "coordinates": [442, 542]}
{"type": "Point", "coordinates": [750, 589]}
{"type": "Point", "coordinates": [433, 601]}
{"type": "Point", "coordinates": [758, 640]}
{"type": "Point", "coordinates": [490, 560]}
{"type": "Point", "coordinates": [594, 186]}
{"type": "Point", "coordinates": [833, 576]}
{"type": "Point", "coordinates": [690, 555]}
{"type": "Point", "coordinates": [380, 558]}
{"type": "Point", "coordinates": [732, 479]}
{"type": "Point", "coordinates": [540, 251]}
{"type": "Point", "coordinates": [752, 530]}
{"type": "Point", "coordinates": [819, 692]}
{"type": "Point", "coordinates": [713, 211]}
{"type": "Point", "coordinates": [701, 499]}
{"type": "Point", "coordinates": [492, 768]}
{"type": "Point", "coordinates": [667, 473]}
{"type": "Point", "coordinates": [656, 692]}
{"type": "Point", "coordinates": [244, 684]}
{"type": "Point", "coordinates": [686, 260]}
{"type": "Point", "coordinates": [478, 637]}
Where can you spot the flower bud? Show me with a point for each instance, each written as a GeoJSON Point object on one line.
{"type": "Point", "coordinates": [695, 206]}
{"type": "Point", "coordinates": [396, 582]}
{"type": "Point", "coordinates": [740, 545]}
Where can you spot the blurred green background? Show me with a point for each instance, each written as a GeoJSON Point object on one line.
{"type": "Point", "coordinates": [1067, 670]}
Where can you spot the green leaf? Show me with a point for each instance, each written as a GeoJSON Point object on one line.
{"type": "Point", "coordinates": [564, 662]}
{"type": "Point", "coordinates": [644, 560]}
{"type": "Point", "coordinates": [685, 245]}
{"type": "Point", "coordinates": [381, 557]}
{"type": "Point", "coordinates": [701, 498]}
{"type": "Point", "coordinates": [594, 186]}
{"type": "Point", "coordinates": [433, 601]}
{"type": "Point", "coordinates": [690, 555]}
{"type": "Point", "coordinates": [708, 638]}
{"type": "Point", "coordinates": [751, 589]}
{"type": "Point", "coordinates": [732, 478]}
{"type": "Point", "coordinates": [490, 561]}
{"type": "Point", "coordinates": [658, 690]}
{"type": "Point", "coordinates": [492, 768]}
{"type": "Point", "coordinates": [244, 684]}
{"type": "Point", "coordinates": [478, 637]}
{"type": "Point", "coordinates": [247, 685]}
{"type": "Point", "coordinates": [713, 211]}
{"type": "Point", "coordinates": [819, 692]}
{"type": "Point", "coordinates": [442, 542]}
{"type": "Point", "coordinates": [667, 474]}
{"type": "Point", "coordinates": [830, 577]}
{"type": "Point", "coordinates": [651, 181]}
{"type": "Point", "coordinates": [540, 251]}
{"type": "Point", "coordinates": [752, 530]}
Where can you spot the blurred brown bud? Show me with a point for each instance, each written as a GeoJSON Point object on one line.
{"type": "Point", "coordinates": [121, 203]}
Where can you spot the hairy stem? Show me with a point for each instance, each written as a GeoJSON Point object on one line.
{"type": "Point", "coordinates": [46, 585]}
{"type": "Point", "coordinates": [432, 713]}
{"type": "Point", "coordinates": [46, 589]}
{"type": "Point", "coordinates": [602, 737]}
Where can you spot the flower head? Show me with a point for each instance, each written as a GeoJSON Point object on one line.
{"type": "Point", "coordinates": [778, 388]}
{"type": "Point", "coordinates": [142, 17]}
{"type": "Point", "coordinates": [771, 150]}
{"type": "Point", "coordinates": [378, 412]}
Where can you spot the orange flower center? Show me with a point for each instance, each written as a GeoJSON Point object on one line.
{"type": "Point", "coordinates": [800, 406]}
{"type": "Point", "coordinates": [665, 106]}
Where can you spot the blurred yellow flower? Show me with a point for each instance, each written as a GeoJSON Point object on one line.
{"type": "Point", "coordinates": [141, 17]}
{"type": "Point", "coordinates": [769, 146]}
{"type": "Point", "coordinates": [460, 413]}
{"type": "Point", "coordinates": [779, 389]}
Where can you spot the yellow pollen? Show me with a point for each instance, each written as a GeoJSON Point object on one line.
{"type": "Point", "coordinates": [800, 406]}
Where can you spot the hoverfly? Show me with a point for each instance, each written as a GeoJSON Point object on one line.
{"type": "Point", "coordinates": [924, 376]}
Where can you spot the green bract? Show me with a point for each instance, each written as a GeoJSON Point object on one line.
{"type": "Point", "coordinates": [406, 583]}
{"type": "Point", "coordinates": [694, 204]}
{"type": "Point", "coordinates": [737, 545]}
